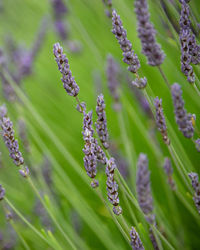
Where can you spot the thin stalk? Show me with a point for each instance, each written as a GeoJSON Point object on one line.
{"type": "Point", "coordinates": [114, 217]}
{"type": "Point", "coordinates": [183, 173]}
{"type": "Point", "coordinates": [164, 76]}
{"type": "Point", "coordinates": [163, 238]}
{"type": "Point", "coordinates": [130, 152]}
{"type": "Point", "coordinates": [51, 214]}
{"type": "Point", "coordinates": [26, 221]}
{"type": "Point", "coordinates": [196, 89]}
{"type": "Point", "coordinates": [20, 236]}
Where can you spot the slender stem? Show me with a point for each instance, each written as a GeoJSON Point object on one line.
{"type": "Point", "coordinates": [20, 236]}
{"type": "Point", "coordinates": [164, 76]}
{"type": "Point", "coordinates": [26, 221]}
{"type": "Point", "coordinates": [163, 238]}
{"type": "Point", "coordinates": [196, 89]}
{"type": "Point", "coordinates": [51, 214]}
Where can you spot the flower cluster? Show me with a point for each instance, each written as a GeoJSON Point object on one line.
{"type": "Point", "coordinates": [10, 141]}
{"type": "Point", "coordinates": [160, 120]}
{"type": "Point", "coordinates": [136, 243]}
{"type": "Point", "coordinates": [190, 51]}
{"type": "Point", "coordinates": [108, 5]}
{"type": "Point", "coordinates": [69, 83]}
{"type": "Point", "coordinates": [101, 124]}
{"type": "Point", "coordinates": [2, 192]}
{"type": "Point", "coordinates": [196, 186]}
{"type": "Point", "coordinates": [169, 171]}
{"type": "Point", "coordinates": [146, 32]}
{"type": "Point", "coordinates": [144, 189]}
{"type": "Point", "coordinates": [113, 81]}
{"type": "Point", "coordinates": [112, 186]}
{"type": "Point", "coordinates": [60, 10]}
{"type": "Point", "coordinates": [183, 119]}
{"type": "Point", "coordinates": [120, 33]}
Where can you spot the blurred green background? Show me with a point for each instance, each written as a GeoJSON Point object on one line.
{"type": "Point", "coordinates": [56, 132]}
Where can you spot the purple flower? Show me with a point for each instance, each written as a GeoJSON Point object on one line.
{"type": "Point", "coordinates": [160, 120]}
{"type": "Point", "coordinates": [112, 186]}
{"type": "Point", "coordinates": [190, 51]}
{"type": "Point", "coordinates": [2, 192]}
{"type": "Point", "coordinates": [113, 81]}
{"type": "Point", "coordinates": [136, 243]}
{"type": "Point", "coordinates": [93, 152]}
{"type": "Point", "coordinates": [196, 186]}
{"type": "Point", "coordinates": [101, 124]}
{"type": "Point", "coordinates": [197, 144]}
{"type": "Point", "coordinates": [9, 139]}
{"type": "Point", "coordinates": [120, 33]}
{"type": "Point", "coordinates": [146, 32]}
{"type": "Point", "coordinates": [108, 5]}
{"type": "Point", "coordinates": [169, 171]}
{"type": "Point", "coordinates": [140, 83]}
{"type": "Point", "coordinates": [144, 189]}
{"type": "Point", "coordinates": [68, 81]}
{"type": "Point", "coordinates": [59, 8]}
{"type": "Point", "coordinates": [183, 119]}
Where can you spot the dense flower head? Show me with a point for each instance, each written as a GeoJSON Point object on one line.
{"type": "Point", "coordinates": [190, 51]}
{"type": "Point", "coordinates": [140, 83]}
{"type": "Point", "coordinates": [143, 188]}
{"type": "Point", "coordinates": [169, 171]}
{"type": "Point", "coordinates": [160, 120]}
{"type": "Point", "coordinates": [92, 150]}
{"type": "Point", "coordinates": [183, 119]}
{"type": "Point", "coordinates": [101, 124]}
{"type": "Point", "coordinates": [9, 138]}
{"type": "Point", "coordinates": [69, 83]}
{"type": "Point", "coordinates": [146, 32]}
{"type": "Point", "coordinates": [90, 157]}
{"type": "Point", "coordinates": [113, 81]}
{"type": "Point", "coordinates": [136, 243]}
{"type": "Point", "coordinates": [112, 186]}
{"type": "Point", "coordinates": [120, 33]}
{"type": "Point", "coordinates": [196, 186]}
{"type": "Point", "coordinates": [2, 192]}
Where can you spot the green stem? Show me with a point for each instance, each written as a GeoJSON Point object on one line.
{"type": "Point", "coordinates": [26, 221]}
{"type": "Point", "coordinates": [51, 214]}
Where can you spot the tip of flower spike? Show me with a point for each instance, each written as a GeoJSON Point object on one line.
{"type": "Point", "coordinates": [24, 172]}
{"type": "Point", "coordinates": [2, 192]}
{"type": "Point", "coordinates": [140, 83]}
{"type": "Point", "coordinates": [94, 184]}
{"type": "Point", "coordinates": [117, 210]}
{"type": "Point", "coordinates": [3, 111]}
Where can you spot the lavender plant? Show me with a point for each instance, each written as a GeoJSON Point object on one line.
{"type": "Point", "coordinates": [54, 130]}
{"type": "Point", "coordinates": [183, 119]}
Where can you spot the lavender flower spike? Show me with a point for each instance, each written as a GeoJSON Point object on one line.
{"type": "Point", "coordinates": [196, 186]}
{"type": "Point", "coordinates": [113, 81]}
{"type": "Point", "coordinates": [90, 158]}
{"type": "Point", "coordinates": [197, 143]}
{"type": "Point", "coordinates": [186, 42]}
{"type": "Point", "coordinates": [101, 124]}
{"type": "Point", "coordinates": [169, 171]}
{"type": "Point", "coordinates": [136, 243]}
{"type": "Point", "coordinates": [120, 33]}
{"type": "Point", "coordinates": [183, 119]}
{"type": "Point", "coordinates": [69, 83]}
{"type": "Point", "coordinates": [112, 187]}
{"type": "Point", "coordinates": [9, 139]}
{"type": "Point", "coordinates": [146, 32]}
{"type": "Point", "coordinates": [160, 120]}
{"type": "Point", "coordinates": [143, 188]}
{"type": "Point", "coordinates": [2, 192]}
